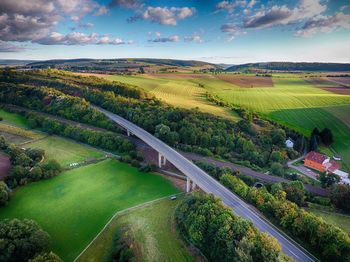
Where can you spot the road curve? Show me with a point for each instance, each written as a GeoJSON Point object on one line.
{"type": "Point", "coordinates": [210, 185]}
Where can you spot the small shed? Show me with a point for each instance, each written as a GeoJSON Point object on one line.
{"type": "Point", "coordinates": [289, 143]}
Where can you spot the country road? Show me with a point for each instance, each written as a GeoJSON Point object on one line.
{"type": "Point", "coordinates": [210, 185]}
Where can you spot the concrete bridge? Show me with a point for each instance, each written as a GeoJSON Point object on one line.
{"type": "Point", "coordinates": [197, 177]}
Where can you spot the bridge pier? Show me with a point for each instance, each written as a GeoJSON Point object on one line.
{"type": "Point", "coordinates": [161, 160]}
{"type": "Point", "coordinates": [194, 185]}
{"type": "Point", "coordinates": [188, 185]}
{"type": "Point", "coordinates": [128, 133]}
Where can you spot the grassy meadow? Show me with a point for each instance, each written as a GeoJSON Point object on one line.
{"type": "Point", "coordinates": [63, 150]}
{"type": "Point", "coordinates": [14, 119]}
{"type": "Point", "coordinates": [339, 220]}
{"type": "Point", "coordinates": [74, 206]}
{"type": "Point", "coordinates": [153, 229]}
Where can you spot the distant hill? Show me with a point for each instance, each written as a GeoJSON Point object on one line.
{"type": "Point", "coordinates": [14, 62]}
{"type": "Point", "coordinates": [289, 66]}
{"type": "Point", "coordinates": [122, 65]}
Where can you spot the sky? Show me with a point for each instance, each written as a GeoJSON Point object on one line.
{"type": "Point", "coordinates": [231, 32]}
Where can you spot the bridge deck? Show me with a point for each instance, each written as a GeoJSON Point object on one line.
{"type": "Point", "coordinates": [210, 185]}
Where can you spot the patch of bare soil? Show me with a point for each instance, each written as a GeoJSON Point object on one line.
{"type": "Point", "coordinates": [338, 90]}
{"type": "Point", "coordinates": [340, 80]}
{"type": "Point", "coordinates": [337, 85]}
{"type": "Point", "coordinates": [5, 165]}
{"type": "Point", "coordinates": [247, 81]}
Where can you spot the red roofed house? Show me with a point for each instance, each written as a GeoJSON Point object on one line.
{"type": "Point", "coordinates": [320, 162]}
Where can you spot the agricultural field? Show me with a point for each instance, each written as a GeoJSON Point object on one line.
{"type": "Point", "coordinates": [63, 150]}
{"type": "Point", "coordinates": [292, 100]}
{"type": "Point", "coordinates": [297, 104]}
{"type": "Point", "coordinates": [74, 206]}
{"type": "Point", "coordinates": [153, 229]}
{"type": "Point", "coordinates": [179, 90]}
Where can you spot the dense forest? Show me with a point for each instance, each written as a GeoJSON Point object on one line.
{"type": "Point", "coordinates": [117, 65]}
{"type": "Point", "coordinates": [256, 145]}
{"type": "Point", "coordinates": [222, 236]}
{"type": "Point", "coordinates": [289, 66]}
{"type": "Point", "coordinates": [24, 240]}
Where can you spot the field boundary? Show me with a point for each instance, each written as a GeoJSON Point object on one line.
{"type": "Point", "coordinates": [122, 212]}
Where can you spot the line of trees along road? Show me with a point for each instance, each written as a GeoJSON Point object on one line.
{"type": "Point", "coordinates": [67, 95]}
{"type": "Point", "coordinates": [330, 242]}
{"type": "Point", "coordinates": [222, 236]}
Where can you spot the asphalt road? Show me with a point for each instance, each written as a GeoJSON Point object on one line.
{"type": "Point", "coordinates": [210, 185]}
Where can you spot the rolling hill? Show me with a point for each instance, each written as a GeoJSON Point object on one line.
{"type": "Point", "coordinates": [289, 66]}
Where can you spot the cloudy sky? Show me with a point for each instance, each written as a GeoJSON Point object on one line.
{"type": "Point", "coordinates": [215, 31]}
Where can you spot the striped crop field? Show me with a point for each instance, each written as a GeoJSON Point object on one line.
{"type": "Point", "coordinates": [180, 92]}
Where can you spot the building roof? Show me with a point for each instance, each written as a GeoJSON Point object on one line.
{"type": "Point", "coordinates": [334, 166]}
{"type": "Point", "coordinates": [316, 157]}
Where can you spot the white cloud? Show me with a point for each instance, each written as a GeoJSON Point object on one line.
{"type": "Point", "coordinates": [6, 47]}
{"type": "Point", "coordinates": [24, 20]}
{"type": "Point", "coordinates": [129, 4]}
{"type": "Point", "coordinates": [230, 6]}
{"type": "Point", "coordinates": [324, 24]}
{"type": "Point", "coordinates": [173, 38]}
{"type": "Point", "coordinates": [282, 15]}
{"type": "Point", "coordinates": [251, 3]}
{"type": "Point", "coordinates": [164, 15]}
{"type": "Point", "coordinates": [75, 18]}
{"type": "Point", "coordinates": [344, 7]}
{"type": "Point", "coordinates": [193, 38]}
{"type": "Point", "coordinates": [77, 38]}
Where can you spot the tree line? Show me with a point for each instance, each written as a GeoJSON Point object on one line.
{"type": "Point", "coordinates": [330, 242]}
{"type": "Point", "coordinates": [27, 165]}
{"type": "Point", "coordinates": [24, 240]}
{"type": "Point", "coordinates": [105, 140]}
{"type": "Point", "coordinates": [222, 236]}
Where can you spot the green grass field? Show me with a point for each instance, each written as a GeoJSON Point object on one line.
{"type": "Point", "coordinates": [65, 151]}
{"type": "Point", "coordinates": [339, 220]}
{"type": "Point", "coordinates": [178, 92]}
{"type": "Point", "coordinates": [74, 206]}
{"type": "Point", "coordinates": [14, 119]}
{"type": "Point", "coordinates": [152, 228]}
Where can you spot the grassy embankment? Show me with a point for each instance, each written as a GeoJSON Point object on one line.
{"type": "Point", "coordinates": [65, 151]}
{"type": "Point", "coordinates": [152, 227]}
